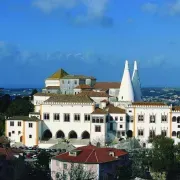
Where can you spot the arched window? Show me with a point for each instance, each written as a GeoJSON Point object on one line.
{"type": "Point", "coordinates": [85, 135]}
{"type": "Point", "coordinates": [178, 134]}
{"type": "Point", "coordinates": [174, 133]}
{"type": "Point", "coordinates": [178, 119]}
{"type": "Point", "coordinates": [72, 135]}
{"type": "Point", "coordinates": [60, 134]}
{"type": "Point", "coordinates": [174, 119]}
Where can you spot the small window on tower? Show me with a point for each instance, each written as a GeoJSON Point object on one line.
{"type": "Point", "coordinates": [122, 97]}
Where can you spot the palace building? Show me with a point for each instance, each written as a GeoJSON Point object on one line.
{"type": "Point", "coordinates": [78, 108]}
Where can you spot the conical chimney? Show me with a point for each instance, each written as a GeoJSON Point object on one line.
{"type": "Point", "coordinates": [126, 89]}
{"type": "Point", "coordinates": [136, 84]}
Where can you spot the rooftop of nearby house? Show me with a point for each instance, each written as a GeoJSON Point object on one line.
{"type": "Point", "coordinates": [23, 118]}
{"type": "Point", "coordinates": [91, 155]}
{"type": "Point", "coordinates": [93, 94]}
{"type": "Point", "coordinates": [83, 86]}
{"type": "Point", "coordinates": [115, 110]}
{"type": "Point", "coordinates": [176, 108]}
{"type": "Point", "coordinates": [69, 99]}
{"type": "Point", "coordinates": [58, 75]}
{"type": "Point", "coordinates": [10, 153]}
{"type": "Point", "coordinates": [149, 104]}
{"type": "Point", "coordinates": [99, 111]}
{"type": "Point", "coordinates": [52, 87]}
{"type": "Point", "coordinates": [78, 77]}
{"type": "Point", "coordinates": [104, 86]}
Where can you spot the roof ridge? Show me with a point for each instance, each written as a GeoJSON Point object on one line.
{"type": "Point", "coordinates": [96, 157]}
{"type": "Point", "coordinates": [90, 155]}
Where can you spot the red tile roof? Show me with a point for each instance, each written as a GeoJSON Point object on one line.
{"type": "Point", "coordinates": [115, 110]}
{"type": "Point", "coordinates": [92, 155]}
{"type": "Point", "coordinates": [10, 152]}
{"type": "Point", "coordinates": [107, 85]}
{"type": "Point", "coordinates": [99, 111]}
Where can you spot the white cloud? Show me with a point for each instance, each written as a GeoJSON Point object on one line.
{"type": "Point", "coordinates": [174, 8]}
{"type": "Point", "coordinates": [150, 7]}
{"type": "Point", "coordinates": [93, 11]}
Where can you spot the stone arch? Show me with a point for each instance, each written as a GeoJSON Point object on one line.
{"type": "Point", "coordinates": [174, 119]}
{"type": "Point", "coordinates": [60, 134]}
{"type": "Point", "coordinates": [47, 134]}
{"type": "Point", "coordinates": [174, 133]}
{"type": "Point", "coordinates": [178, 119]}
{"type": "Point", "coordinates": [178, 134]}
{"type": "Point", "coordinates": [129, 133]}
{"type": "Point", "coordinates": [72, 135]}
{"type": "Point", "coordinates": [85, 135]}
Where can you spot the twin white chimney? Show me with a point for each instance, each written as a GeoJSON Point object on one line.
{"type": "Point", "coordinates": [130, 89]}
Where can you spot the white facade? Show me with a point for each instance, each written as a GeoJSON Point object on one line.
{"type": "Point", "coordinates": [52, 82]}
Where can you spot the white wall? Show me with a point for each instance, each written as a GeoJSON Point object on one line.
{"type": "Point", "coordinates": [99, 136]}
{"type": "Point", "coordinates": [66, 127]}
{"type": "Point", "coordinates": [14, 137]}
{"type": "Point", "coordinates": [99, 99]}
{"type": "Point", "coordinates": [146, 125]}
{"type": "Point", "coordinates": [38, 100]}
{"type": "Point", "coordinates": [30, 131]}
{"type": "Point", "coordinates": [52, 82]}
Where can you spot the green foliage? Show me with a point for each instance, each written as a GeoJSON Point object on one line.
{"type": "Point", "coordinates": [20, 107]}
{"type": "Point", "coordinates": [2, 124]}
{"type": "Point", "coordinates": [4, 103]}
{"type": "Point", "coordinates": [34, 91]}
{"type": "Point", "coordinates": [43, 159]}
{"type": "Point", "coordinates": [124, 173]}
{"type": "Point", "coordinates": [162, 157]}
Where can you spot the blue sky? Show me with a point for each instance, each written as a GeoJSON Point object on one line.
{"type": "Point", "coordinates": [91, 37]}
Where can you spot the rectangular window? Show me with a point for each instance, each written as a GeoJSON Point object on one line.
{"type": "Point", "coordinates": [140, 132]}
{"type": "Point", "coordinates": [30, 136]}
{"type": "Point", "coordinates": [152, 133]}
{"type": "Point", "coordinates": [13, 132]}
{"type": "Point", "coordinates": [121, 126]}
{"type": "Point", "coordinates": [11, 123]}
{"type": "Point", "coordinates": [152, 119]}
{"type": "Point", "coordinates": [123, 133]}
{"type": "Point", "coordinates": [30, 125]}
{"type": "Point", "coordinates": [19, 132]}
{"type": "Point", "coordinates": [121, 118]}
{"type": "Point", "coordinates": [75, 82]}
{"type": "Point", "coordinates": [97, 120]}
{"type": "Point", "coordinates": [163, 118]}
{"type": "Point", "coordinates": [9, 134]}
{"type": "Point", "coordinates": [62, 81]}
{"type": "Point", "coordinates": [116, 118]}
{"type": "Point", "coordinates": [87, 117]}
{"type": "Point", "coordinates": [164, 133]}
{"type": "Point", "coordinates": [97, 128]}
{"type": "Point", "coordinates": [66, 117]}
{"type": "Point", "coordinates": [111, 118]}
{"type": "Point", "coordinates": [178, 126]}
{"type": "Point", "coordinates": [46, 116]}
{"type": "Point", "coordinates": [64, 166]}
{"type": "Point", "coordinates": [56, 116]}
{"type": "Point", "coordinates": [140, 118]}
{"type": "Point", "coordinates": [76, 117]}
{"type": "Point", "coordinates": [131, 119]}
{"type": "Point", "coordinates": [19, 123]}
{"type": "Point", "coordinates": [130, 111]}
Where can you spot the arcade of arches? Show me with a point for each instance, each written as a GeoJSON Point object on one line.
{"type": "Point", "coordinates": [60, 134]}
{"type": "Point", "coordinates": [47, 135]}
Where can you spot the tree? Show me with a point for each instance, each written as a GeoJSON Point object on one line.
{"type": "Point", "coordinates": [20, 107]}
{"type": "Point", "coordinates": [43, 159]}
{"type": "Point", "coordinates": [4, 103]}
{"type": "Point", "coordinates": [34, 91]}
{"type": "Point", "coordinates": [124, 173]}
{"type": "Point", "coordinates": [77, 172]}
{"type": "Point", "coordinates": [2, 124]}
{"type": "Point", "coordinates": [162, 157]}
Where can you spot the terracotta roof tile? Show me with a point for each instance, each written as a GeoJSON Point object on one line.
{"type": "Point", "coordinates": [115, 110]}
{"type": "Point", "coordinates": [107, 85]}
{"type": "Point", "coordinates": [176, 108]}
{"type": "Point", "coordinates": [99, 111]}
{"type": "Point", "coordinates": [78, 77]}
{"type": "Point", "coordinates": [92, 155]}
{"type": "Point", "coordinates": [83, 86]}
{"type": "Point", "coordinates": [69, 98]}
{"type": "Point", "coordinates": [93, 94]}
{"type": "Point", "coordinates": [149, 104]}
